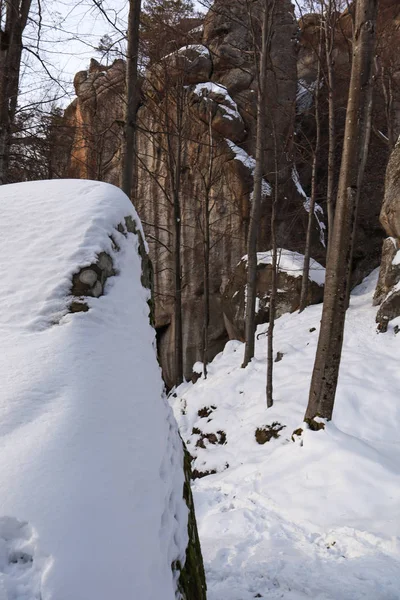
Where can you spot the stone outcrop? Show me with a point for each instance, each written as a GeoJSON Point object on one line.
{"type": "Point", "coordinates": [288, 290]}
{"type": "Point", "coordinates": [219, 119]}
{"type": "Point", "coordinates": [387, 293]}
{"type": "Point", "coordinates": [212, 81]}
{"type": "Point", "coordinates": [369, 236]}
{"type": "Point", "coordinates": [95, 118]}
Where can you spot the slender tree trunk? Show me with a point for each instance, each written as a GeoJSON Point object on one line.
{"type": "Point", "coordinates": [15, 19]}
{"type": "Point", "coordinates": [206, 248]}
{"type": "Point", "coordinates": [327, 360]}
{"type": "Point", "coordinates": [132, 98]}
{"type": "Point", "coordinates": [274, 281]}
{"type": "Point", "coordinates": [251, 286]}
{"type": "Point", "coordinates": [330, 24]}
{"type": "Point", "coordinates": [178, 339]}
{"type": "Point", "coordinates": [362, 165]}
{"type": "Point", "coordinates": [311, 209]}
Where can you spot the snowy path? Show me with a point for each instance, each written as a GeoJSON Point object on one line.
{"type": "Point", "coordinates": [318, 520]}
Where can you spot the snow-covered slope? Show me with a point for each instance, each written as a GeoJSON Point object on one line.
{"type": "Point", "coordinates": [91, 472]}
{"type": "Point", "coordinates": [317, 517]}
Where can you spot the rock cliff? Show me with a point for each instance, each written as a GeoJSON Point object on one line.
{"type": "Point", "coordinates": [212, 83]}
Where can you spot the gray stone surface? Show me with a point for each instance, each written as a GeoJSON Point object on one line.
{"type": "Point", "coordinates": [288, 297]}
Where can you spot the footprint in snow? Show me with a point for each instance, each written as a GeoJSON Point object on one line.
{"type": "Point", "coordinates": [20, 567]}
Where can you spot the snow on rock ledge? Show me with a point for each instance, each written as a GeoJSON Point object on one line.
{"type": "Point", "coordinates": [213, 101]}
{"type": "Point", "coordinates": [91, 463]}
{"type": "Point", "coordinates": [290, 271]}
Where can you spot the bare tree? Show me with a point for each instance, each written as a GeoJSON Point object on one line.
{"type": "Point", "coordinates": [355, 148]}
{"type": "Point", "coordinates": [132, 98]}
{"type": "Point", "coordinates": [311, 208]}
{"type": "Point", "coordinates": [330, 22]}
{"type": "Point", "coordinates": [13, 20]}
{"type": "Point", "coordinates": [274, 279]}
{"type": "Point", "coordinates": [258, 186]}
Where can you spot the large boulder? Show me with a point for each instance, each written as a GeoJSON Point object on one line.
{"type": "Point", "coordinates": [290, 270]}
{"type": "Point", "coordinates": [95, 501]}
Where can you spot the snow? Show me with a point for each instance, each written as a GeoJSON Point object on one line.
{"type": "Point", "coordinates": [198, 29]}
{"type": "Point", "coordinates": [249, 162]}
{"type": "Point", "coordinates": [90, 458]}
{"type": "Point", "coordinates": [292, 263]}
{"type": "Point", "coordinates": [199, 48]}
{"type": "Point", "coordinates": [304, 96]}
{"type": "Point", "coordinates": [317, 518]}
{"type": "Point", "coordinates": [317, 208]}
{"type": "Point", "coordinates": [396, 260]}
{"type": "Point", "coordinates": [228, 105]}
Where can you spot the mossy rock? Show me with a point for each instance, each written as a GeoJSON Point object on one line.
{"type": "Point", "coordinates": [268, 432]}
{"type": "Point", "coordinates": [192, 579]}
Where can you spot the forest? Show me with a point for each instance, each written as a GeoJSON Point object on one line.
{"type": "Point", "coordinates": [258, 144]}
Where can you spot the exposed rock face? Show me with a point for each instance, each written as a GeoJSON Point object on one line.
{"type": "Point", "coordinates": [288, 296]}
{"type": "Point", "coordinates": [219, 120]}
{"type": "Point", "coordinates": [368, 241]}
{"type": "Point", "coordinates": [213, 83]}
{"type": "Point", "coordinates": [95, 118]}
{"type": "Point", "coordinates": [390, 213]}
{"type": "Point", "coordinates": [387, 293]}
{"type": "Point", "coordinates": [389, 273]}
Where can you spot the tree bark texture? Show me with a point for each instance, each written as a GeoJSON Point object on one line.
{"type": "Point", "coordinates": [251, 286]}
{"type": "Point", "coordinates": [311, 208]}
{"type": "Point", "coordinates": [206, 247]}
{"type": "Point", "coordinates": [132, 98]}
{"type": "Point", "coordinates": [330, 24]}
{"type": "Point", "coordinates": [274, 282]}
{"type": "Point", "coordinates": [327, 360]}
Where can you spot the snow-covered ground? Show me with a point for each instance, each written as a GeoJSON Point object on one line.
{"type": "Point", "coordinates": [91, 471]}
{"type": "Point", "coordinates": [316, 518]}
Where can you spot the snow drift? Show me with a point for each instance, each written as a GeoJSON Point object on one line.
{"type": "Point", "coordinates": [91, 463]}
{"type": "Point", "coordinates": [313, 516]}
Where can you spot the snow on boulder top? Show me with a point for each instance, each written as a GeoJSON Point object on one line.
{"type": "Point", "coordinates": [196, 48]}
{"type": "Point", "coordinates": [227, 103]}
{"type": "Point", "coordinates": [91, 503]}
{"type": "Point", "coordinates": [292, 263]}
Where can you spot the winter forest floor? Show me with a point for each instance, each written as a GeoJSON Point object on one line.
{"type": "Point", "coordinates": [318, 517]}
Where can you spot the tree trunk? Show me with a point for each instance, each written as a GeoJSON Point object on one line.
{"type": "Point", "coordinates": [274, 281]}
{"type": "Point", "coordinates": [327, 360]}
{"type": "Point", "coordinates": [176, 190]}
{"type": "Point", "coordinates": [206, 248]}
{"type": "Point", "coordinates": [311, 208]}
{"type": "Point", "coordinates": [132, 98]}
{"type": "Point", "coordinates": [251, 285]}
{"type": "Point", "coordinates": [330, 25]}
{"type": "Point", "coordinates": [16, 16]}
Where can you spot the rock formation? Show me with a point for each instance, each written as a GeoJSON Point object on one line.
{"type": "Point", "coordinates": [290, 265]}
{"type": "Point", "coordinates": [387, 293]}
{"type": "Point", "coordinates": [211, 82]}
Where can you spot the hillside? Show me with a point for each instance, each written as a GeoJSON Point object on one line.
{"type": "Point", "coordinates": [317, 517]}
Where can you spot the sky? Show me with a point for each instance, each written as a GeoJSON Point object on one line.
{"type": "Point", "coordinates": [70, 32]}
